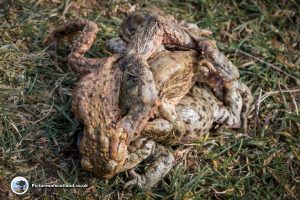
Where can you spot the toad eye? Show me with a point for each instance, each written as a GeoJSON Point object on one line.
{"type": "Point", "coordinates": [131, 30]}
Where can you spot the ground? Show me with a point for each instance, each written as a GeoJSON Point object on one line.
{"type": "Point", "coordinates": [37, 127]}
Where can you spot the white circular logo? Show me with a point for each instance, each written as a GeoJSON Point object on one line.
{"type": "Point", "coordinates": [19, 185]}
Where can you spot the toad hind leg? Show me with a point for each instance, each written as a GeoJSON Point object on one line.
{"type": "Point", "coordinates": [138, 150]}
{"type": "Point", "coordinates": [163, 131]}
{"type": "Point", "coordinates": [80, 46]}
{"type": "Point", "coordinates": [146, 149]}
{"type": "Point", "coordinates": [162, 162]}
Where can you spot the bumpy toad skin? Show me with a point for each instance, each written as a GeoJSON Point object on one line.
{"type": "Point", "coordinates": [175, 72]}
{"type": "Point", "coordinates": [145, 30]}
{"type": "Point", "coordinates": [104, 144]}
{"type": "Point", "coordinates": [199, 109]}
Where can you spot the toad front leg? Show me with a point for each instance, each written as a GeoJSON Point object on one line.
{"type": "Point", "coordinates": [145, 99]}
{"type": "Point", "coordinates": [223, 65]}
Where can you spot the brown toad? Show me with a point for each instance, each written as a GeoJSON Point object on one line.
{"type": "Point", "coordinates": [96, 104]}
{"type": "Point", "coordinates": [145, 30]}
{"type": "Point", "coordinates": [199, 109]}
{"type": "Point", "coordinates": [175, 72]}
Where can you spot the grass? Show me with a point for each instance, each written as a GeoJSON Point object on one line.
{"type": "Point", "coordinates": [37, 127]}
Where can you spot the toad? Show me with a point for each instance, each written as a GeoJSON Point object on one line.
{"type": "Point", "coordinates": [145, 30]}
{"type": "Point", "coordinates": [199, 109]}
{"type": "Point", "coordinates": [104, 146]}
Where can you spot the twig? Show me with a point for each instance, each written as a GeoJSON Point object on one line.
{"type": "Point", "coordinates": [294, 101]}
{"type": "Point", "coordinates": [47, 114]}
{"type": "Point", "coordinates": [67, 6]}
{"type": "Point", "coordinates": [268, 64]}
{"type": "Point", "coordinates": [266, 95]}
{"type": "Point", "coordinates": [286, 187]}
{"type": "Point", "coordinates": [256, 107]}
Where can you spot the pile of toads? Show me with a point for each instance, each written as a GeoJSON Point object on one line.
{"type": "Point", "coordinates": [165, 84]}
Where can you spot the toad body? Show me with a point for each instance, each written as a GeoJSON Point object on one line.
{"type": "Point", "coordinates": [105, 147]}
